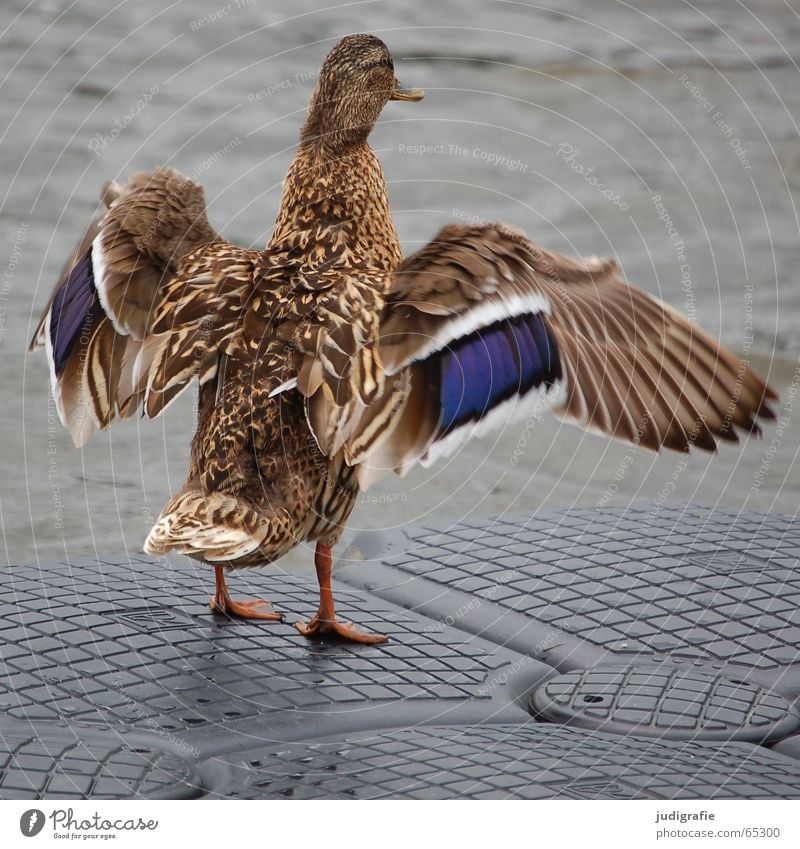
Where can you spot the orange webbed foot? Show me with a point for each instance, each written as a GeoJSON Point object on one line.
{"type": "Point", "coordinates": [325, 623]}
{"type": "Point", "coordinates": [221, 602]}
{"type": "Point", "coordinates": [321, 628]}
{"type": "Point", "coordinates": [258, 608]}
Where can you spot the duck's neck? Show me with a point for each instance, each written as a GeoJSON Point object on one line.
{"type": "Point", "coordinates": [335, 209]}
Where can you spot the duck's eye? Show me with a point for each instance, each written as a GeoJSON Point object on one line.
{"type": "Point", "coordinates": [377, 63]}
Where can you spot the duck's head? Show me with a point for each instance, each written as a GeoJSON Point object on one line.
{"type": "Point", "coordinates": [355, 82]}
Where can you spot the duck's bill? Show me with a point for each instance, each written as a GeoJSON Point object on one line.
{"type": "Point", "coordinates": [402, 92]}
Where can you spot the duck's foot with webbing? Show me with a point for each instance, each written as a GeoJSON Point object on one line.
{"type": "Point", "coordinates": [222, 602]}
{"type": "Point", "coordinates": [325, 624]}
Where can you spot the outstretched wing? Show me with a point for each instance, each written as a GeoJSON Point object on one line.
{"type": "Point", "coordinates": [147, 302]}
{"type": "Point", "coordinates": [482, 325]}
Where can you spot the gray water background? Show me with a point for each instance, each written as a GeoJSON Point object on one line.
{"type": "Point", "coordinates": [566, 119]}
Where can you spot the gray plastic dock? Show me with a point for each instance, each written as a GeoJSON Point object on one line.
{"type": "Point", "coordinates": [578, 654]}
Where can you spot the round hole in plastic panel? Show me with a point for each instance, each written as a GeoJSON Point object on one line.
{"type": "Point", "coordinates": [659, 701]}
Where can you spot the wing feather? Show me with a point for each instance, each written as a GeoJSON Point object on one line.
{"type": "Point", "coordinates": [622, 362]}
{"type": "Point", "coordinates": [150, 299]}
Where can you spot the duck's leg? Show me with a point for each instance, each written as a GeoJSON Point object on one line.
{"type": "Point", "coordinates": [223, 603]}
{"type": "Point", "coordinates": [325, 622]}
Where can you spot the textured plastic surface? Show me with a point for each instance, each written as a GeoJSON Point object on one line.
{"type": "Point", "coordinates": [684, 584]}
{"type": "Point", "coordinates": [117, 681]}
{"type": "Point", "coordinates": [511, 761]}
{"type": "Point", "coordinates": [665, 702]}
{"type": "Point", "coordinates": [122, 644]}
{"type": "Point", "coordinates": [56, 763]}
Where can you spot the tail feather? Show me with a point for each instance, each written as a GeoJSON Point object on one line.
{"type": "Point", "coordinates": [213, 527]}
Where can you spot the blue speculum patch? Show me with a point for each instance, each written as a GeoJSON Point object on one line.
{"type": "Point", "coordinates": [72, 303]}
{"type": "Point", "coordinates": [480, 371]}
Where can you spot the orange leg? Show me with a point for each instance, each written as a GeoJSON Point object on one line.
{"type": "Point", "coordinates": [325, 622]}
{"type": "Point", "coordinates": [223, 603]}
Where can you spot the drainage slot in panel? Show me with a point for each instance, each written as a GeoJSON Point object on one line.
{"type": "Point", "coordinates": [665, 701]}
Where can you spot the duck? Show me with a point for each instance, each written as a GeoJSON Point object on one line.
{"type": "Point", "coordinates": [328, 360]}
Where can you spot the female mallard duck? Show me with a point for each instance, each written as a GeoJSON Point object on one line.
{"type": "Point", "coordinates": [327, 360]}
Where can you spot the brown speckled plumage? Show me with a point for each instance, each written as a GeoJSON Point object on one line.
{"type": "Point", "coordinates": [323, 360]}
